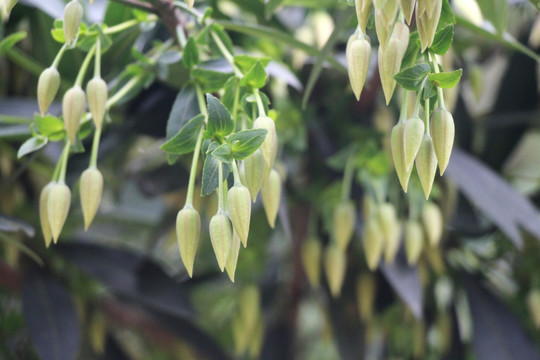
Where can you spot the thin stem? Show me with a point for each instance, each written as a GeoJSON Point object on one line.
{"type": "Point", "coordinates": [130, 85]}
{"type": "Point", "coordinates": [221, 192]}
{"type": "Point", "coordinates": [64, 161]}
{"type": "Point", "coordinates": [260, 104]}
{"type": "Point", "coordinates": [236, 174]}
{"type": "Point", "coordinates": [181, 36]}
{"type": "Point", "coordinates": [227, 55]}
{"type": "Point", "coordinates": [121, 27]}
{"type": "Point", "coordinates": [193, 172]}
{"type": "Point", "coordinates": [235, 104]}
{"type": "Point", "coordinates": [348, 177]}
{"type": "Point", "coordinates": [95, 148]}
{"type": "Point", "coordinates": [97, 64]}
{"type": "Point", "coordinates": [404, 105]}
{"type": "Point", "coordinates": [440, 94]}
{"type": "Point", "coordinates": [426, 120]}
{"type": "Point", "coordinates": [58, 57]}
{"type": "Point", "coordinates": [202, 102]}
{"type": "Point", "coordinates": [84, 66]}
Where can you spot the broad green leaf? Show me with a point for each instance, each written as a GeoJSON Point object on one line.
{"type": "Point", "coordinates": [443, 40]}
{"type": "Point", "coordinates": [210, 175]}
{"type": "Point", "coordinates": [31, 145]}
{"type": "Point", "coordinates": [413, 49]}
{"type": "Point", "coordinates": [446, 80]}
{"type": "Point", "coordinates": [210, 80]}
{"type": "Point", "coordinates": [447, 16]}
{"type": "Point", "coordinates": [246, 62]}
{"type": "Point", "coordinates": [11, 40]}
{"type": "Point", "coordinates": [184, 142]}
{"type": "Point", "coordinates": [411, 78]}
{"type": "Point", "coordinates": [219, 120]}
{"type": "Point", "coordinates": [190, 56]}
{"type": "Point", "coordinates": [223, 153]}
{"type": "Point", "coordinates": [185, 107]}
{"type": "Point", "coordinates": [430, 91]}
{"type": "Point", "coordinates": [245, 142]}
{"type": "Point", "coordinates": [255, 78]}
{"type": "Point", "coordinates": [231, 90]}
{"type": "Point", "coordinates": [48, 124]}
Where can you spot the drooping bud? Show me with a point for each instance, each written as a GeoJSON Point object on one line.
{"type": "Point", "coordinates": [533, 303]}
{"type": "Point", "coordinates": [44, 215]}
{"type": "Point", "coordinates": [398, 155]}
{"type": "Point", "coordinates": [433, 223]}
{"type": "Point", "coordinates": [428, 13]}
{"type": "Point", "coordinates": [73, 13]}
{"type": "Point", "coordinates": [385, 17]}
{"type": "Point", "coordinates": [390, 57]}
{"type": "Point", "coordinates": [414, 241]}
{"type": "Point", "coordinates": [391, 245]}
{"type": "Point", "coordinates": [365, 295]}
{"type": "Point", "coordinates": [188, 230]}
{"type": "Point", "coordinates": [254, 169]}
{"type": "Point", "coordinates": [269, 146]}
{"type": "Point", "coordinates": [358, 54]}
{"type": "Point", "coordinates": [48, 84]}
{"type": "Point", "coordinates": [221, 237]}
{"type": "Point", "coordinates": [442, 131]}
{"type": "Point", "coordinates": [97, 93]}
{"type": "Point", "coordinates": [323, 26]}
{"type": "Point", "coordinates": [91, 190]}
{"type": "Point", "coordinates": [58, 203]}
{"type": "Point", "coordinates": [344, 219]}
{"type": "Point", "coordinates": [373, 242]}
{"type": "Point", "coordinates": [335, 265]}
{"type": "Point", "coordinates": [190, 4]}
{"type": "Point", "coordinates": [311, 259]}
{"type": "Point", "coordinates": [363, 11]}
{"type": "Point", "coordinates": [413, 133]}
{"type": "Point", "coordinates": [426, 164]}
{"type": "Point", "coordinates": [390, 228]}
{"type": "Point", "coordinates": [239, 203]}
{"type": "Point", "coordinates": [271, 195]}
{"type": "Point", "coordinates": [6, 6]}
{"type": "Point", "coordinates": [407, 7]}
{"type": "Point", "coordinates": [73, 106]}
{"type": "Point", "coordinates": [233, 256]}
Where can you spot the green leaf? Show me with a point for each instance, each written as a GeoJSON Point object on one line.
{"type": "Point", "coordinates": [223, 153]}
{"type": "Point", "coordinates": [270, 7]}
{"type": "Point", "coordinates": [48, 124]}
{"type": "Point", "coordinates": [447, 16]}
{"type": "Point", "coordinates": [88, 38]}
{"type": "Point", "coordinates": [411, 78]}
{"type": "Point", "coordinates": [223, 36]}
{"type": "Point", "coordinates": [190, 56]}
{"type": "Point", "coordinates": [185, 107]}
{"type": "Point", "coordinates": [11, 40]}
{"type": "Point", "coordinates": [446, 80]}
{"type": "Point", "coordinates": [31, 145]}
{"type": "Point", "coordinates": [413, 49]}
{"type": "Point", "coordinates": [219, 120]}
{"type": "Point", "coordinates": [184, 142]}
{"type": "Point", "coordinates": [246, 62]}
{"type": "Point", "coordinates": [210, 175]}
{"type": "Point", "coordinates": [210, 80]}
{"type": "Point", "coordinates": [443, 40]}
{"type": "Point", "coordinates": [536, 4]}
{"type": "Point", "coordinates": [256, 77]}
{"type": "Point", "coordinates": [245, 142]}
{"type": "Point", "coordinates": [230, 92]}
{"type": "Point", "coordinates": [430, 91]}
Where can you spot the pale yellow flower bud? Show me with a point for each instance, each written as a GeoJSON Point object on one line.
{"type": "Point", "coordinates": [97, 94]}
{"type": "Point", "coordinates": [426, 164]}
{"type": "Point", "coordinates": [73, 13]}
{"type": "Point", "coordinates": [43, 214]}
{"type": "Point", "coordinates": [398, 155]}
{"type": "Point", "coordinates": [73, 106]}
{"type": "Point", "coordinates": [271, 196]}
{"type": "Point", "coordinates": [344, 218]}
{"type": "Point", "coordinates": [433, 222]}
{"type": "Point", "coordinates": [270, 144]}
{"type": "Point", "coordinates": [413, 133]}
{"type": "Point", "coordinates": [48, 84]}
{"type": "Point", "coordinates": [311, 259]}
{"type": "Point", "coordinates": [221, 237]}
{"type": "Point", "coordinates": [90, 191]}
{"type": "Point", "coordinates": [358, 54]}
{"type": "Point", "coordinates": [373, 242]}
{"type": "Point", "coordinates": [233, 256]}
{"type": "Point", "coordinates": [254, 171]}
{"type": "Point", "coordinates": [443, 132]}
{"type": "Point", "coordinates": [414, 241]}
{"type": "Point", "coordinates": [335, 266]}
{"type": "Point", "coordinates": [188, 230]}
{"type": "Point", "coordinates": [58, 203]}
{"type": "Point", "coordinates": [239, 203]}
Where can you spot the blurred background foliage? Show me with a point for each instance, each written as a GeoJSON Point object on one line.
{"type": "Point", "coordinates": [120, 291]}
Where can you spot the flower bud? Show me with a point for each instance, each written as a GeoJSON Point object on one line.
{"type": "Point", "coordinates": [269, 146]}
{"type": "Point", "coordinates": [407, 7]}
{"type": "Point", "coordinates": [358, 56]}
{"type": "Point", "coordinates": [414, 241]}
{"type": "Point", "coordinates": [442, 131]}
{"type": "Point", "coordinates": [97, 94]}
{"type": "Point", "coordinates": [344, 219]}
{"type": "Point", "coordinates": [385, 17]}
{"type": "Point", "coordinates": [311, 259]}
{"type": "Point", "coordinates": [239, 203]}
{"type": "Point", "coordinates": [254, 170]}
{"type": "Point", "coordinates": [391, 244]}
{"type": "Point", "coordinates": [221, 237]}
{"type": "Point", "coordinates": [73, 13]}
{"type": "Point", "coordinates": [390, 228]}
{"type": "Point", "coordinates": [390, 57]}
{"type": "Point", "coordinates": [365, 295]}
{"type": "Point", "coordinates": [426, 164]}
{"type": "Point", "coordinates": [335, 265]}
{"type": "Point", "coordinates": [190, 4]}
{"type": "Point", "coordinates": [188, 230]}
{"type": "Point", "coordinates": [233, 256]}
{"type": "Point", "coordinates": [73, 106]}
{"type": "Point", "coordinates": [48, 84]}
{"type": "Point", "coordinates": [58, 203]}
{"type": "Point", "coordinates": [413, 133]}
{"type": "Point", "coordinates": [91, 190]}
{"type": "Point", "coordinates": [428, 13]}
{"type": "Point", "coordinates": [271, 195]}
{"type": "Point", "coordinates": [363, 11]}
{"type": "Point", "coordinates": [373, 242]}
{"type": "Point", "coordinates": [533, 302]}
{"type": "Point", "coordinates": [398, 155]}
{"type": "Point", "coordinates": [433, 223]}
{"type": "Point", "coordinates": [323, 25]}
{"type": "Point", "coordinates": [44, 215]}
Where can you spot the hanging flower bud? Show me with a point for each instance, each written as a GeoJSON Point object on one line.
{"type": "Point", "coordinates": [390, 228]}
{"type": "Point", "coordinates": [433, 223]}
{"type": "Point", "coordinates": [91, 189]}
{"type": "Point", "coordinates": [269, 146]}
{"type": "Point", "coordinates": [73, 106]}
{"type": "Point", "coordinates": [365, 295]}
{"type": "Point", "coordinates": [221, 237]}
{"type": "Point", "coordinates": [239, 203]}
{"type": "Point", "coordinates": [413, 133]}
{"type": "Point", "coordinates": [44, 215]}
{"type": "Point", "coordinates": [442, 131]}
{"type": "Point", "coordinates": [48, 84]}
{"type": "Point", "coordinates": [58, 203]}
{"type": "Point", "coordinates": [73, 13]}
{"type": "Point", "coordinates": [6, 6]}
{"type": "Point", "coordinates": [344, 219]}
{"type": "Point", "coordinates": [426, 164]}
{"type": "Point", "coordinates": [363, 11]}
{"type": "Point", "coordinates": [428, 13]}
{"type": "Point", "coordinates": [271, 195]}
{"type": "Point", "coordinates": [188, 230]}
{"type": "Point", "coordinates": [323, 26]}
{"type": "Point", "coordinates": [254, 170]}
{"type": "Point", "coordinates": [97, 94]}
{"type": "Point", "coordinates": [373, 242]}
{"type": "Point", "coordinates": [391, 244]}
{"type": "Point", "coordinates": [385, 17]}
{"type": "Point", "coordinates": [533, 302]}
{"type": "Point", "coordinates": [407, 7]}
{"type": "Point", "coordinates": [358, 54]}
{"type": "Point", "coordinates": [311, 259]}
{"type": "Point", "coordinates": [390, 58]}
{"type": "Point", "coordinates": [335, 265]}
{"type": "Point", "coordinates": [398, 155]}
{"type": "Point", "coordinates": [233, 256]}
{"type": "Point", "coordinates": [190, 4]}
{"type": "Point", "coordinates": [414, 241]}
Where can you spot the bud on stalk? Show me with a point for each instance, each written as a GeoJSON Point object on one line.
{"type": "Point", "coordinates": [413, 133]}
{"type": "Point", "coordinates": [188, 230]}
{"type": "Point", "coordinates": [426, 164]}
{"type": "Point", "coordinates": [233, 256]}
{"type": "Point", "coordinates": [58, 203]}
{"type": "Point", "coordinates": [442, 131]}
{"type": "Point", "coordinates": [73, 106]}
{"type": "Point", "coordinates": [390, 228]}
{"type": "Point", "coordinates": [311, 259]}
{"type": "Point", "coordinates": [221, 237]}
{"type": "Point", "coordinates": [344, 219]}
{"type": "Point", "coordinates": [358, 54]}
{"type": "Point", "coordinates": [48, 84]}
{"type": "Point", "coordinates": [97, 94]}
{"type": "Point", "coordinates": [407, 7]}
{"type": "Point", "coordinates": [73, 13]}
{"type": "Point", "coordinates": [363, 11]}
{"type": "Point", "coordinates": [414, 241]}
{"type": "Point", "coordinates": [398, 155]}
{"type": "Point", "coordinates": [335, 265]}
{"type": "Point", "coordinates": [428, 13]}
{"type": "Point", "coordinates": [44, 215]}
{"type": "Point", "coordinates": [269, 145]}
{"type": "Point", "coordinates": [90, 191]}
{"type": "Point", "coordinates": [271, 195]}
{"type": "Point", "coordinates": [433, 223]}
{"type": "Point", "coordinates": [385, 17]}
{"type": "Point", "coordinates": [373, 242]}
{"type": "Point", "coordinates": [390, 57]}
{"type": "Point", "coordinates": [254, 170]}
{"type": "Point", "coordinates": [239, 203]}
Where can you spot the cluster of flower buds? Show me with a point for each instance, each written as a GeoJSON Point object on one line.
{"type": "Point", "coordinates": [428, 13]}
{"type": "Point", "coordinates": [248, 323]}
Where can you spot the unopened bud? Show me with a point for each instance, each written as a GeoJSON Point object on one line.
{"type": "Point", "coordinates": [271, 195]}
{"type": "Point", "coordinates": [533, 302]}
{"type": "Point", "coordinates": [390, 57]}
{"type": "Point", "coordinates": [414, 241]}
{"type": "Point", "coordinates": [269, 146]}
{"type": "Point", "coordinates": [442, 131]}
{"type": "Point", "coordinates": [391, 244]}
{"type": "Point", "coordinates": [188, 230]}
{"type": "Point", "coordinates": [344, 219]}
{"type": "Point", "coordinates": [385, 17]}
{"type": "Point", "coordinates": [73, 106]}
{"type": "Point", "coordinates": [43, 214]}
{"type": "Point", "coordinates": [363, 12]}
{"type": "Point", "coordinates": [239, 203]}
{"type": "Point", "coordinates": [233, 256]}
{"type": "Point", "coordinates": [365, 295]}
{"type": "Point", "coordinates": [311, 259]}
{"type": "Point", "coordinates": [433, 223]}
{"type": "Point", "coordinates": [428, 13]}
{"type": "Point", "coordinates": [426, 164]}
{"type": "Point", "coordinates": [335, 265]}
{"type": "Point", "coordinates": [390, 228]}
{"type": "Point", "coordinates": [48, 84]}
{"type": "Point", "coordinates": [221, 237]}
{"type": "Point", "coordinates": [358, 56]}
{"type": "Point", "coordinates": [254, 171]}
{"type": "Point", "coordinates": [97, 94]}
{"type": "Point", "coordinates": [373, 242]}
{"type": "Point", "coordinates": [413, 133]}
{"type": "Point", "coordinates": [58, 203]}
{"type": "Point", "coordinates": [73, 13]}
{"type": "Point", "coordinates": [91, 190]}
{"type": "Point", "coordinates": [398, 155]}
{"type": "Point", "coordinates": [407, 7]}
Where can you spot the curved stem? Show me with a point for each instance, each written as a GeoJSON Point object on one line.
{"type": "Point", "coordinates": [260, 104]}
{"type": "Point", "coordinates": [121, 27]}
{"type": "Point", "coordinates": [130, 85]}
{"type": "Point", "coordinates": [97, 64]}
{"type": "Point", "coordinates": [58, 57]}
{"type": "Point", "coordinates": [440, 94]}
{"type": "Point", "coordinates": [64, 161]}
{"type": "Point", "coordinates": [227, 55]}
{"type": "Point", "coordinates": [95, 148]}
{"type": "Point", "coordinates": [84, 66]}
{"type": "Point", "coordinates": [236, 174]}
